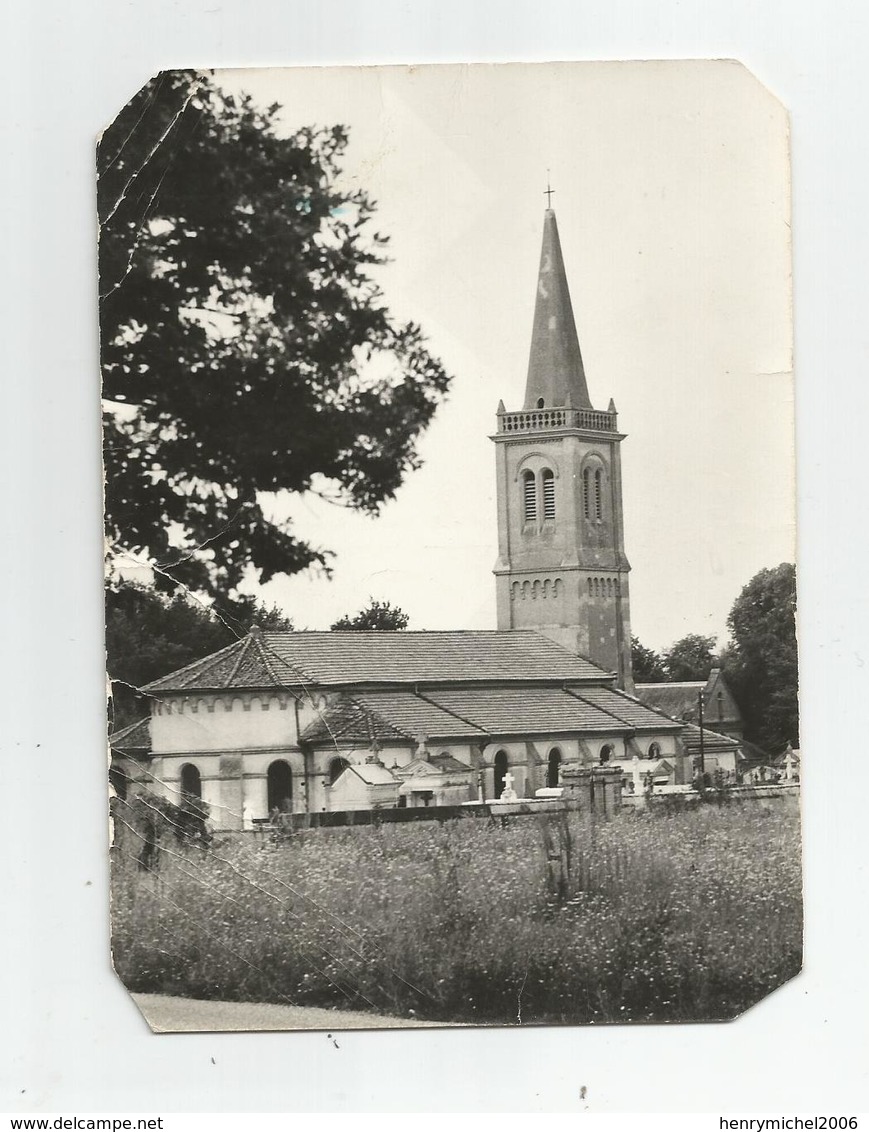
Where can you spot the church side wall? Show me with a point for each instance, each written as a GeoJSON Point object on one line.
{"type": "Point", "coordinates": [223, 722]}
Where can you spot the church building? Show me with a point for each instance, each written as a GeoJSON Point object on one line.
{"type": "Point", "coordinates": [325, 721]}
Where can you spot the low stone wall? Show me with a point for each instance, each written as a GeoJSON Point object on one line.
{"type": "Point", "coordinates": [778, 795]}
{"type": "Point", "coordinates": [783, 795]}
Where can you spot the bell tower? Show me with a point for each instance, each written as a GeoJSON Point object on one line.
{"type": "Point", "coordinates": [561, 566]}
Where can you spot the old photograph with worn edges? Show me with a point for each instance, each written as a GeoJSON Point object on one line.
{"type": "Point", "coordinates": [450, 545]}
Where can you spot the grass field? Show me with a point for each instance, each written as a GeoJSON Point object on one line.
{"type": "Point", "coordinates": [681, 916]}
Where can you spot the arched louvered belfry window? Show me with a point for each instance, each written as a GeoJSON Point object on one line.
{"type": "Point", "coordinates": [336, 768]}
{"type": "Point", "coordinates": [606, 753]}
{"type": "Point", "coordinates": [553, 769]}
{"type": "Point", "coordinates": [529, 496]}
{"type": "Point", "coordinates": [654, 750]}
{"type": "Point", "coordinates": [598, 494]}
{"type": "Point", "coordinates": [548, 480]}
{"type": "Point", "coordinates": [586, 493]}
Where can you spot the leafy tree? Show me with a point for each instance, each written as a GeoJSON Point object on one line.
{"type": "Point", "coordinates": [648, 666]}
{"type": "Point", "coordinates": [149, 634]}
{"type": "Point", "coordinates": [760, 663]}
{"type": "Point", "coordinates": [245, 347]}
{"type": "Point", "coordinates": [376, 615]}
{"type": "Point", "coordinates": [691, 658]}
{"type": "Point", "coordinates": [271, 617]}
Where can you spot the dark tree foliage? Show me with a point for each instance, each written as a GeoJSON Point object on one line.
{"type": "Point", "coordinates": [376, 615]}
{"type": "Point", "coordinates": [648, 666]}
{"type": "Point", "coordinates": [760, 664]}
{"type": "Point", "coordinates": [245, 347]}
{"type": "Point", "coordinates": [149, 635]}
{"type": "Point", "coordinates": [691, 658]}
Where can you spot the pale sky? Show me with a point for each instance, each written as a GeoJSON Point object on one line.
{"type": "Point", "coordinates": [672, 195]}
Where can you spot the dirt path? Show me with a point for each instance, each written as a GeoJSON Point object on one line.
{"type": "Point", "coordinates": [168, 1014]}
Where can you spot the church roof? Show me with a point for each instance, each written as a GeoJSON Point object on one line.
{"type": "Point", "coordinates": [628, 709]}
{"type": "Point", "coordinates": [520, 711]}
{"type": "Point", "coordinates": [678, 699]}
{"type": "Point", "coordinates": [247, 663]}
{"type": "Point", "coordinates": [480, 713]}
{"type": "Point", "coordinates": [135, 737]}
{"type": "Point", "coordinates": [418, 715]}
{"type": "Point", "coordinates": [348, 722]}
{"type": "Point", "coordinates": [556, 374]}
{"type": "Point", "coordinates": [335, 659]}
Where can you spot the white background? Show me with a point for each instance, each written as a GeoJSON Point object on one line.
{"type": "Point", "coordinates": [73, 1040]}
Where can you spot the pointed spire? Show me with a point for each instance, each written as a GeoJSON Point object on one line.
{"type": "Point", "coordinates": [555, 372]}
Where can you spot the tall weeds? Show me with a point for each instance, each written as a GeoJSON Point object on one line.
{"type": "Point", "coordinates": [684, 916]}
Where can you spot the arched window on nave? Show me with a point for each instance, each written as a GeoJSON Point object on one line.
{"type": "Point", "coordinates": [500, 773]}
{"type": "Point", "coordinates": [191, 781]}
{"type": "Point", "coordinates": [280, 786]}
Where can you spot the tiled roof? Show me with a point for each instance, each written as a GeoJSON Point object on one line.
{"type": "Point", "coordinates": [417, 715]}
{"type": "Point", "coordinates": [247, 663]}
{"type": "Point", "coordinates": [348, 722]}
{"type": "Point", "coordinates": [476, 713]}
{"type": "Point", "coordinates": [679, 701]}
{"type": "Point", "coordinates": [519, 711]}
{"type": "Point", "coordinates": [426, 658]}
{"type": "Point", "coordinates": [135, 737]}
{"type": "Point", "coordinates": [626, 708]}
{"type": "Point", "coordinates": [267, 660]}
{"type": "Point", "coordinates": [679, 698]}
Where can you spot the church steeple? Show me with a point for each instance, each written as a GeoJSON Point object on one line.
{"type": "Point", "coordinates": [562, 568]}
{"type": "Point", "coordinates": [556, 376]}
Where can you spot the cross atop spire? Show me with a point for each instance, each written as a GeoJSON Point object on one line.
{"type": "Point", "coordinates": [556, 376]}
{"type": "Point", "coordinates": [548, 191]}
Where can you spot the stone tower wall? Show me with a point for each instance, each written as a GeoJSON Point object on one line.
{"type": "Point", "coordinates": [565, 575]}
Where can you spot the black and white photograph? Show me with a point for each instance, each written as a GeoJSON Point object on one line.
{"type": "Point", "coordinates": [451, 578]}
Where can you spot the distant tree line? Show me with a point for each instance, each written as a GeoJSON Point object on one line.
{"type": "Point", "coordinates": [759, 661]}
